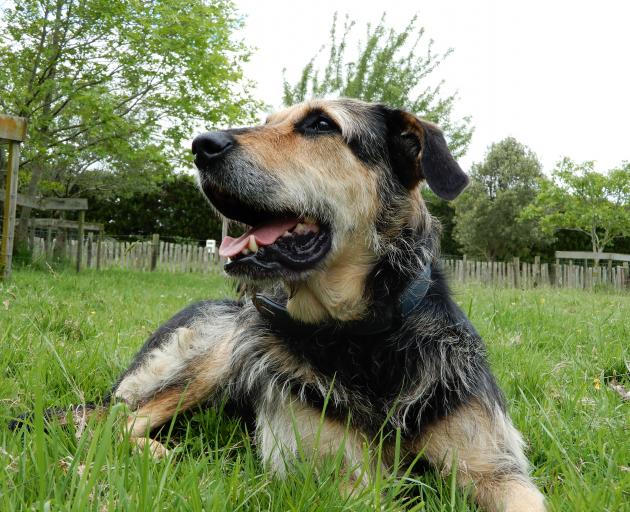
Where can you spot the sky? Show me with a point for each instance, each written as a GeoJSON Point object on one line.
{"type": "Point", "coordinates": [553, 74]}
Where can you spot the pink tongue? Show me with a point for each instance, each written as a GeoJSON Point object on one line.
{"type": "Point", "coordinates": [265, 234]}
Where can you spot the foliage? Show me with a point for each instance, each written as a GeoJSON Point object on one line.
{"type": "Point", "coordinates": [65, 338]}
{"type": "Point", "coordinates": [580, 199]}
{"type": "Point", "coordinates": [175, 208]}
{"type": "Point", "coordinates": [444, 211]}
{"type": "Point", "coordinates": [390, 67]}
{"type": "Point", "coordinates": [487, 219]}
{"type": "Point", "coordinates": [112, 88]}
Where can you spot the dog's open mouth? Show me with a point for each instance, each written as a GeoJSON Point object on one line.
{"type": "Point", "coordinates": [273, 243]}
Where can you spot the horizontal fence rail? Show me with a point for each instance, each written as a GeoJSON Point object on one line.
{"type": "Point", "coordinates": [104, 253]}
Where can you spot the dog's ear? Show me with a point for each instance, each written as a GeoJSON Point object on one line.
{"type": "Point", "coordinates": [419, 151]}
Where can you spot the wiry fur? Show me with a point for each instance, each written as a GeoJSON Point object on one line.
{"type": "Point", "coordinates": [428, 376]}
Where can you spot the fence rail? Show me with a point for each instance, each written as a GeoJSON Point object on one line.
{"type": "Point", "coordinates": [106, 253]}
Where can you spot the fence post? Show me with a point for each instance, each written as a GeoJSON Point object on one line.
{"type": "Point", "coordinates": [10, 203]}
{"type": "Point", "coordinates": [66, 254]}
{"type": "Point", "coordinates": [80, 239]}
{"type": "Point", "coordinates": [556, 273]}
{"type": "Point", "coordinates": [588, 276]}
{"type": "Point", "coordinates": [90, 247]}
{"type": "Point", "coordinates": [31, 238]}
{"type": "Point", "coordinates": [48, 244]}
{"type": "Point", "coordinates": [99, 243]}
{"type": "Point", "coordinates": [224, 232]}
{"type": "Point", "coordinates": [155, 249]}
{"type": "Point", "coordinates": [517, 271]}
{"type": "Point", "coordinates": [610, 276]}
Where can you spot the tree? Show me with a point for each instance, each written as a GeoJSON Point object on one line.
{"type": "Point", "coordinates": [174, 208]}
{"type": "Point", "coordinates": [487, 219]}
{"type": "Point", "coordinates": [445, 213]}
{"type": "Point", "coordinates": [389, 68]}
{"type": "Point", "coordinates": [112, 88]}
{"type": "Point", "coordinates": [580, 199]}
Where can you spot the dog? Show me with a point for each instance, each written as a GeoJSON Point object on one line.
{"type": "Point", "coordinates": [354, 317]}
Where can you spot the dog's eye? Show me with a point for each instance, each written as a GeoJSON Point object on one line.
{"type": "Point", "coordinates": [320, 125]}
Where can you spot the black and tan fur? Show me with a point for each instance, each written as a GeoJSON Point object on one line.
{"type": "Point", "coordinates": [429, 377]}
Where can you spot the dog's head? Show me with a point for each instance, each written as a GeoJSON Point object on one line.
{"type": "Point", "coordinates": [327, 189]}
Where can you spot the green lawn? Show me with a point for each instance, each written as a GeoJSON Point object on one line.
{"type": "Point", "coordinates": [64, 339]}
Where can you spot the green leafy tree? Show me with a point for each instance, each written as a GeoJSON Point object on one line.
{"type": "Point", "coordinates": [445, 213]}
{"type": "Point", "coordinates": [391, 67]}
{"type": "Point", "coordinates": [580, 199]}
{"type": "Point", "coordinates": [487, 214]}
{"type": "Point", "coordinates": [112, 88]}
{"type": "Point", "coordinates": [174, 208]}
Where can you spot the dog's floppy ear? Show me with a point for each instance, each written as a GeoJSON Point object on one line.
{"type": "Point", "coordinates": [419, 151]}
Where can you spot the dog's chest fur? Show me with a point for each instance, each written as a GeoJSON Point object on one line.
{"type": "Point", "coordinates": [407, 378]}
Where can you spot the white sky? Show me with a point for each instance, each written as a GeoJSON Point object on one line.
{"type": "Point", "coordinates": [553, 74]}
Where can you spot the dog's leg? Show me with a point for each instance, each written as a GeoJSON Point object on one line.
{"type": "Point", "coordinates": [159, 410]}
{"type": "Point", "coordinates": [487, 452]}
{"type": "Point", "coordinates": [185, 368]}
{"type": "Point", "coordinates": [288, 429]}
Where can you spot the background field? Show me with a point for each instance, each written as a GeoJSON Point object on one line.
{"type": "Point", "coordinates": [65, 338]}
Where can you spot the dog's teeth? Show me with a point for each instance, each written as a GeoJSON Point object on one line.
{"type": "Point", "coordinates": [229, 260]}
{"type": "Point", "coordinates": [300, 229]}
{"type": "Point", "coordinates": [286, 233]}
{"type": "Point", "coordinates": [252, 246]}
{"type": "Point", "coordinates": [245, 251]}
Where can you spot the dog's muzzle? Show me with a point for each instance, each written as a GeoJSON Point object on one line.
{"type": "Point", "coordinates": [280, 240]}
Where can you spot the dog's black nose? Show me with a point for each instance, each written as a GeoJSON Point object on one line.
{"type": "Point", "coordinates": [210, 145]}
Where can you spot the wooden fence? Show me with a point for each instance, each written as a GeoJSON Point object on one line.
{"type": "Point", "coordinates": [517, 274]}
{"type": "Point", "coordinates": [105, 253]}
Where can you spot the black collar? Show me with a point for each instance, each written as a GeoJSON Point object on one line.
{"type": "Point", "coordinates": [387, 317]}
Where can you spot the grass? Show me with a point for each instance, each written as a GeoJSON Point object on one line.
{"type": "Point", "coordinates": [65, 338]}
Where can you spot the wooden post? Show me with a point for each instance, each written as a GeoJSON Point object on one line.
{"type": "Point", "coordinates": [224, 231]}
{"type": "Point", "coordinates": [80, 234]}
{"type": "Point", "coordinates": [610, 277]}
{"type": "Point", "coordinates": [10, 202]}
{"type": "Point", "coordinates": [49, 244]}
{"type": "Point", "coordinates": [13, 131]}
{"type": "Point", "coordinates": [536, 270]}
{"type": "Point", "coordinates": [155, 248]}
{"type": "Point", "coordinates": [558, 272]}
{"type": "Point", "coordinates": [66, 245]}
{"type": "Point", "coordinates": [31, 239]}
{"type": "Point", "coordinates": [99, 244]}
{"type": "Point", "coordinates": [90, 246]}
{"type": "Point", "coordinates": [517, 272]}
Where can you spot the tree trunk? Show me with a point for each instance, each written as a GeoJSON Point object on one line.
{"type": "Point", "coordinates": [25, 211]}
{"type": "Point", "coordinates": [596, 248]}
{"type": "Point", "coordinates": [38, 163]}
